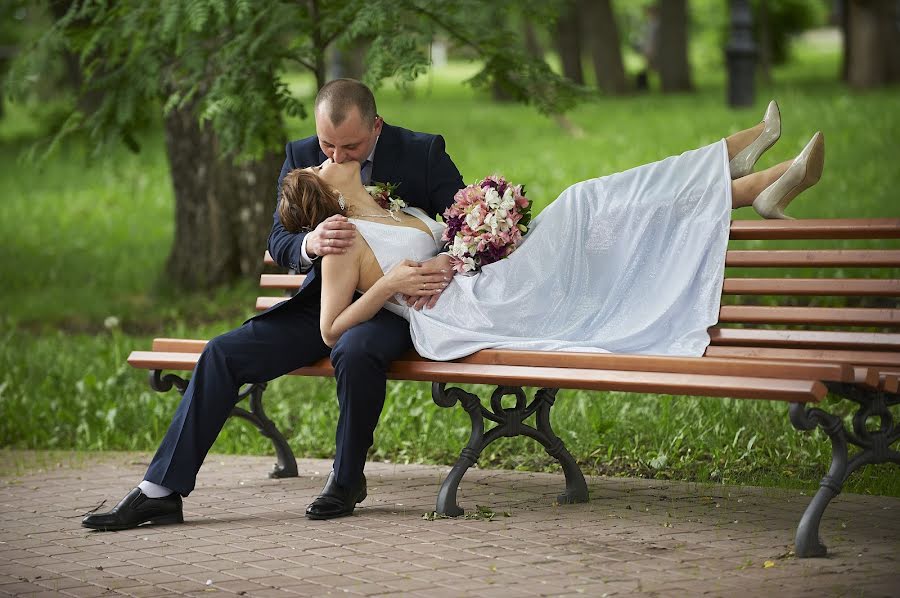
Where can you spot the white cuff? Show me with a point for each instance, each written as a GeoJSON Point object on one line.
{"type": "Point", "coordinates": [305, 261]}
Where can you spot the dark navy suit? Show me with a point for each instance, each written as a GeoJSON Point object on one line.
{"type": "Point", "coordinates": [287, 336]}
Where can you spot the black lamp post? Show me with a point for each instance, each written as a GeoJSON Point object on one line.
{"type": "Point", "coordinates": [741, 55]}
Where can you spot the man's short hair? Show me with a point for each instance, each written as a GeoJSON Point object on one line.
{"type": "Point", "coordinates": [339, 96]}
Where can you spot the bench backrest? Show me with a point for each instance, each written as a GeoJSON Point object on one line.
{"type": "Point", "coordinates": [801, 290]}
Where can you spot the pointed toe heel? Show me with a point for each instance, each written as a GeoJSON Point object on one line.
{"type": "Point", "coordinates": [743, 162]}
{"type": "Point", "coordinates": [804, 172]}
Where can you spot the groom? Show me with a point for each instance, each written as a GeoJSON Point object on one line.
{"type": "Point", "coordinates": [287, 337]}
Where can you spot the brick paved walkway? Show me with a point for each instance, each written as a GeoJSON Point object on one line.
{"type": "Point", "coordinates": [246, 535]}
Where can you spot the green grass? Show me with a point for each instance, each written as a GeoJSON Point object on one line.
{"type": "Point", "coordinates": [85, 240]}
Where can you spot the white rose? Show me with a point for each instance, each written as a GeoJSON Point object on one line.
{"type": "Point", "coordinates": [473, 218]}
{"type": "Point", "coordinates": [492, 198]}
{"type": "Point", "coordinates": [459, 248]}
{"type": "Point", "coordinates": [468, 264]}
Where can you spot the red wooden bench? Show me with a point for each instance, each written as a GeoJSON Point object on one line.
{"type": "Point", "coordinates": [783, 350]}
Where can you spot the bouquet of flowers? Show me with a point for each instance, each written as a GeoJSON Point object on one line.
{"type": "Point", "coordinates": [485, 223]}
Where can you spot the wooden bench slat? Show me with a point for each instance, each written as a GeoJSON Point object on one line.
{"type": "Point", "coordinates": [824, 228]}
{"type": "Point", "coordinates": [843, 316]}
{"type": "Point", "coordinates": [732, 286]}
{"type": "Point", "coordinates": [783, 258]}
{"type": "Point", "coordinates": [800, 339]}
{"type": "Point", "coordinates": [800, 258]}
{"type": "Point", "coordinates": [753, 314]}
{"type": "Point", "coordinates": [864, 358]}
{"type": "Point", "coordinates": [867, 377]}
{"type": "Point", "coordinates": [811, 286]}
{"type": "Point", "coordinates": [606, 361]}
{"type": "Point", "coordinates": [571, 378]}
{"type": "Point", "coordinates": [890, 384]}
{"type": "Point", "coordinates": [281, 281]}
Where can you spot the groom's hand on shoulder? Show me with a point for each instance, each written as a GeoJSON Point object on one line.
{"type": "Point", "coordinates": [335, 234]}
{"type": "Point", "coordinates": [441, 271]}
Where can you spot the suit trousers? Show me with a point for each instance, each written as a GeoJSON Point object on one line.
{"type": "Point", "coordinates": [270, 345]}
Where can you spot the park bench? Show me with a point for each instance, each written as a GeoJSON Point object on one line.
{"type": "Point", "coordinates": [770, 346]}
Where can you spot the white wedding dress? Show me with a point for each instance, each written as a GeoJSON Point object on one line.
{"type": "Point", "coordinates": [627, 263]}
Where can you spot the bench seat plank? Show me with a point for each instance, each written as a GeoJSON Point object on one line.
{"type": "Point", "coordinates": [816, 228]}
{"type": "Point", "coordinates": [571, 378]}
{"type": "Point", "coordinates": [795, 370]}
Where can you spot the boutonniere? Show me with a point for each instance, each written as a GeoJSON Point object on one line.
{"type": "Point", "coordinates": [383, 194]}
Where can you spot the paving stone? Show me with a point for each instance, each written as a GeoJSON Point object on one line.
{"type": "Point", "coordinates": [246, 533]}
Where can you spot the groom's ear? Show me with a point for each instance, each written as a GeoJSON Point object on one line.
{"type": "Point", "coordinates": [378, 122]}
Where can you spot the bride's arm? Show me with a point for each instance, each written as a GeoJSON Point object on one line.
{"type": "Point", "coordinates": [340, 279]}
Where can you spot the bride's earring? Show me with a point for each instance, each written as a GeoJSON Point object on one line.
{"type": "Point", "coordinates": [341, 202]}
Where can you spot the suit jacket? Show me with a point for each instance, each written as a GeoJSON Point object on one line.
{"type": "Point", "coordinates": [417, 163]}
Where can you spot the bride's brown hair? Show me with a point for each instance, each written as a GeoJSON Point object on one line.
{"type": "Point", "coordinates": [305, 201]}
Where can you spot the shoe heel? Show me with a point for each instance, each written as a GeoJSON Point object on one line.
{"type": "Point", "coordinates": [775, 198]}
{"type": "Point", "coordinates": [361, 497]}
{"type": "Point", "coordinates": [167, 519]}
{"type": "Point", "coordinates": [742, 164]}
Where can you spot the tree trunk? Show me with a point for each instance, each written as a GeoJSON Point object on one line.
{"type": "Point", "coordinates": [606, 51]}
{"type": "Point", "coordinates": [674, 68]}
{"type": "Point", "coordinates": [568, 42]}
{"type": "Point", "coordinates": [874, 42]}
{"type": "Point", "coordinates": [223, 212]}
{"type": "Point", "coordinates": [843, 16]}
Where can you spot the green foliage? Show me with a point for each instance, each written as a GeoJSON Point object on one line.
{"type": "Point", "coordinates": [226, 60]}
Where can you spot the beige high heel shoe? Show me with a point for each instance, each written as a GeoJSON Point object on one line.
{"type": "Point", "coordinates": [742, 163]}
{"type": "Point", "coordinates": [804, 172]}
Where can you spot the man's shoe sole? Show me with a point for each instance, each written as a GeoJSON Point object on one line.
{"type": "Point", "coordinates": [161, 520]}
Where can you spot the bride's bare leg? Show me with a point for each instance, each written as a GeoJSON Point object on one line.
{"type": "Point", "coordinates": [745, 189]}
{"type": "Point", "coordinates": [742, 139]}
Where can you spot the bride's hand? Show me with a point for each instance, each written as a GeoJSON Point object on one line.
{"type": "Point", "coordinates": [415, 280]}
{"type": "Point", "coordinates": [439, 264]}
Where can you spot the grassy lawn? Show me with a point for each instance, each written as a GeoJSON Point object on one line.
{"type": "Point", "coordinates": [84, 243]}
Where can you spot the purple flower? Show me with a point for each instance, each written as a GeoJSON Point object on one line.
{"type": "Point", "coordinates": [454, 225]}
{"type": "Point", "coordinates": [491, 254]}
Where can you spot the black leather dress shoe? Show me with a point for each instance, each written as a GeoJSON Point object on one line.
{"type": "Point", "coordinates": [136, 508]}
{"type": "Point", "coordinates": [335, 500]}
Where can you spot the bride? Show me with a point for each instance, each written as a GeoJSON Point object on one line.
{"type": "Point", "coordinates": [632, 262]}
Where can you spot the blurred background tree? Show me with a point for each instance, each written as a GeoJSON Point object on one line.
{"type": "Point", "coordinates": [214, 70]}
{"type": "Point", "coordinates": [213, 74]}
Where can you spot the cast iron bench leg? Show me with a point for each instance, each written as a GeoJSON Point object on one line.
{"type": "Point", "coordinates": [509, 423]}
{"type": "Point", "coordinates": [875, 447]}
{"type": "Point", "coordinates": [286, 465]}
